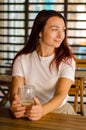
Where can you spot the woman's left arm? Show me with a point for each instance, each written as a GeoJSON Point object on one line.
{"type": "Point", "coordinates": [37, 111]}
{"type": "Point", "coordinates": [63, 86]}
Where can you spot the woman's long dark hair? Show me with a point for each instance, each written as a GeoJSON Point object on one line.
{"type": "Point", "coordinates": [32, 43]}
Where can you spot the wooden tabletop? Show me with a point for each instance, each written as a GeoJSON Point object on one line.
{"type": "Point", "coordinates": [51, 121]}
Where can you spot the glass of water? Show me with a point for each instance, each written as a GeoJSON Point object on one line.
{"type": "Point", "coordinates": [26, 95]}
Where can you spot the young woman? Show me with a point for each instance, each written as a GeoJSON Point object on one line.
{"type": "Point", "coordinates": [46, 62]}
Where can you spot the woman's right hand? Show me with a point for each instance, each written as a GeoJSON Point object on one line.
{"type": "Point", "coordinates": [16, 108]}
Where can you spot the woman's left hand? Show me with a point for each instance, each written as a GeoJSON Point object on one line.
{"type": "Point", "coordinates": [35, 112]}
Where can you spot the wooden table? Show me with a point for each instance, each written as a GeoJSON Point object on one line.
{"type": "Point", "coordinates": [51, 121]}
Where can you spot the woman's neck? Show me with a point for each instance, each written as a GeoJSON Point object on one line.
{"type": "Point", "coordinates": [45, 51]}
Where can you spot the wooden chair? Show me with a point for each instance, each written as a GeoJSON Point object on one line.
{"type": "Point", "coordinates": [5, 85]}
{"type": "Point", "coordinates": [81, 64]}
{"type": "Point", "coordinates": [77, 89]}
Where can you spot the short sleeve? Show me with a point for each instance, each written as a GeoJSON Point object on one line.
{"type": "Point", "coordinates": [17, 68]}
{"type": "Point", "coordinates": [68, 70]}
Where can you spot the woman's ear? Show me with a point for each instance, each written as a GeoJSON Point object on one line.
{"type": "Point", "coordinates": [40, 34]}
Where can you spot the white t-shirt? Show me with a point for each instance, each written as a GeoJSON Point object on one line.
{"type": "Point", "coordinates": [36, 72]}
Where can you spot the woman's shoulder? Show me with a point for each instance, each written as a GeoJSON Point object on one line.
{"type": "Point", "coordinates": [26, 56]}
{"type": "Point", "coordinates": [69, 62]}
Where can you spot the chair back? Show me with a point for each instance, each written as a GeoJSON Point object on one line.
{"type": "Point", "coordinates": [5, 86]}
{"type": "Point", "coordinates": [74, 91]}
{"type": "Point", "coordinates": [77, 89]}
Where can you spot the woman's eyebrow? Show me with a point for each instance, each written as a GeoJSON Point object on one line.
{"type": "Point", "coordinates": [57, 26]}
{"type": "Point", "coordinates": [54, 26]}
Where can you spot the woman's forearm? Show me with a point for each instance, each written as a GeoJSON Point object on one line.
{"type": "Point", "coordinates": [53, 104]}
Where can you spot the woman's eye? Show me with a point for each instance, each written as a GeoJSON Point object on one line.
{"type": "Point", "coordinates": [54, 29]}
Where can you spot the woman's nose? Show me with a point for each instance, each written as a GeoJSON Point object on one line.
{"type": "Point", "coordinates": [60, 34]}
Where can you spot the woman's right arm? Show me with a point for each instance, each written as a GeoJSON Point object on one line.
{"type": "Point", "coordinates": [16, 108]}
{"type": "Point", "coordinates": [16, 82]}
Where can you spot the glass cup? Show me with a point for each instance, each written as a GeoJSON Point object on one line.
{"type": "Point", "coordinates": [26, 95]}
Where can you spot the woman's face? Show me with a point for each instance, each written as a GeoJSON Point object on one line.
{"type": "Point", "coordinates": [53, 33]}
